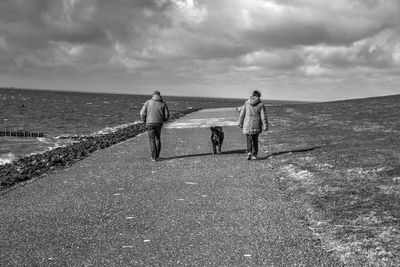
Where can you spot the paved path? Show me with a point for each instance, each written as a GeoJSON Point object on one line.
{"type": "Point", "coordinates": [117, 208]}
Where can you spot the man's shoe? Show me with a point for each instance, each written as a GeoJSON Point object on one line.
{"type": "Point", "coordinates": [254, 157]}
{"type": "Point", "coordinates": [249, 156]}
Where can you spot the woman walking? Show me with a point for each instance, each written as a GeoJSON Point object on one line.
{"type": "Point", "coordinates": [253, 119]}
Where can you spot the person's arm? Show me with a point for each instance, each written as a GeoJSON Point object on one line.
{"type": "Point", "coordinates": [166, 113]}
{"type": "Point", "coordinates": [264, 118]}
{"type": "Point", "coordinates": [242, 115]}
{"type": "Point", "coordinates": [143, 112]}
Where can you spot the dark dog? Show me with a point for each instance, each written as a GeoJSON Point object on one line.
{"type": "Point", "coordinates": [217, 138]}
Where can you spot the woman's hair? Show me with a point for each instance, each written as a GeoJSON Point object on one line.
{"type": "Point", "coordinates": [256, 93]}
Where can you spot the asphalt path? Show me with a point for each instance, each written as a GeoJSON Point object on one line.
{"type": "Point", "coordinates": [191, 208]}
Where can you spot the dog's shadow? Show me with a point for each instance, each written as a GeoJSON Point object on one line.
{"type": "Point", "coordinates": [243, 151]}
{"type": "Point", "coordinates": [238, 151]}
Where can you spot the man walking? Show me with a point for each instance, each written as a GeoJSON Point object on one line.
{"type": "Point", "coordinates": [154, 113]}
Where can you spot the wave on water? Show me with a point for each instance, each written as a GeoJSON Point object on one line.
{"type": "Point", "coordinates": [29, 147]}
{"type": "Point", "coordinates": [7, 158]}
{"type": "Point", "coordinates": [43, 140]}
{"type": "Point", "coordinates": [114, 129]}
{"type": "Point", "coordinates": [52, 143]}
{"type": "Point", "coordinates": [34, 146]}
{"type": "Point", "coordinates": [103, 131]}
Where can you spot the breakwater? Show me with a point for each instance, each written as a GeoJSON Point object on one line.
{"type": "Point", "coordinates": [38, 164]}
{"type": "Point", "coordinates": [21, 134]}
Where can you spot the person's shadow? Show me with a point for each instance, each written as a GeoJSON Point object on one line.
{"type": "Point", "coordinates": [289, 152]}
{"type": "Point", "coordinates": [239, 151]}
{"type": "Point", "coordinates": [243, 151]}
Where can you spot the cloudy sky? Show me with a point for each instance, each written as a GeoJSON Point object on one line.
{"type": "Point", "coordinates": [288, 49]}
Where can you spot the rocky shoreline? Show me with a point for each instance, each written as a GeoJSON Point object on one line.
{"type": "Point", "coordinates": [39, 164]}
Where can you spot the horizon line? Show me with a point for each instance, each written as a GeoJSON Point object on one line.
{"type": "Point", "coordinates": [194, 96]}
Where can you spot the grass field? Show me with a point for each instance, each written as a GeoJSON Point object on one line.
{"type": "Point", "coordinates": [342, 160]}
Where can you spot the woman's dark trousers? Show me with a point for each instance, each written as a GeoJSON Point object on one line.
{"type": "Point", "coordinates": [252, 144]}
{"type": "Point", "coordinates": [155, 140]}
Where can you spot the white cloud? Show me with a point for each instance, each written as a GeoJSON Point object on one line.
{"type": "Point", "coordinates": [122, 57]}
{"type": "Point", "coordinates": [313, 70]}
{"type": "Point", "coordinates": [3, 43]}
{"type": "Point", "coordinates": [68, 49]}
{"type": "Point", "coordinates": [275, 59]}
{"type": "Point", "coordinates": [374, 52]}
{"type": "Point", "coordinates": [68, 8]}
{"type": "Point", "coordinates": [396, 55]}
{"type": "Point", "coordinates": [189, 11]}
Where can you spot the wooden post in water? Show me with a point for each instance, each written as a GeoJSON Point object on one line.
{"type": "Point", "coordinates": [20, 133]}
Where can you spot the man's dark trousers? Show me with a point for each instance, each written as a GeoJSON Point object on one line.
{"type": "Point", "coordinates": [154, 131]}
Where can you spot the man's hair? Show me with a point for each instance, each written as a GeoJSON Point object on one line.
{"type": "Point", "coordinates": [256, 93]}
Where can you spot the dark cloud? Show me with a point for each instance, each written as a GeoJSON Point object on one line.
{"type": "Point", "coordinates": [27, 11]}
{"type": "Point", "coordinates": [190, 41]}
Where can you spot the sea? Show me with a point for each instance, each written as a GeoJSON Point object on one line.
{"type": "Point", "coordinates": [58, 114]}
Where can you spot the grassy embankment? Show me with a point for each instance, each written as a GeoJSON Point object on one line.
{"type": "Point", "coordinates": [350, 176]}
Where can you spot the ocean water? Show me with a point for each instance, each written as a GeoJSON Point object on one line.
{"type": "Point", "coordinates": [57, 114]}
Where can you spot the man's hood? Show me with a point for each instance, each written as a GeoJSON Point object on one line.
{"type": "Point", "coordinates": [157, 97]}
{"type": "Point", "coordinates": [254, 100]}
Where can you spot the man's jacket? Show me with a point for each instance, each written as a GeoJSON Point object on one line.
{"type": "Point", "coordinates": [154, 111]}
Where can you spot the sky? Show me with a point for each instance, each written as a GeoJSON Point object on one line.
{"type": "Point", "coordinates": [313, 50]}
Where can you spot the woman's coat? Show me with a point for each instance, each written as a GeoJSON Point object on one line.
{"type": "Point", "coordinates": [253, 117]}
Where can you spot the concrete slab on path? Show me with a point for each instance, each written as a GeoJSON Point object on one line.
{"type": "Point", "coordinates": [118, 208]}
{"type": "Point", "coordinates": [207, 118]}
